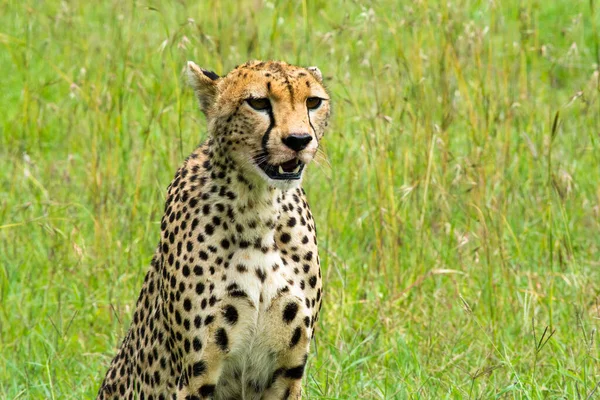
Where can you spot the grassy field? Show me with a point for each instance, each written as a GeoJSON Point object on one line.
{"type": "Point", "coordinates": [459, 211]}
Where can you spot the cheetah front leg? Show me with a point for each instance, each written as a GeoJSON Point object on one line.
{"type": "Point", "coordinates": [292, 342]}
{"type": "Point", "coordinates": [201, 374]}
{"type": "Point", "coordinates": [222, 330]}
{"type": "Point", "coordinates": [287, 381]}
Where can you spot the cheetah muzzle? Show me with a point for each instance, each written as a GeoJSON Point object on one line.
{"type": "Point", "coordinates": [229, 304]}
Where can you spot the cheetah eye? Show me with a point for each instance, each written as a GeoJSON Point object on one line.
{"type": "Point", "coordinates": [312, 103]}
{"type": "Point", "coordinates": [260, 104]}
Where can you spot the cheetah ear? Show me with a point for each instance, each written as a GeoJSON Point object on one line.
{"type": "Point", "coordinates": [204, 83]}
{"type": "Point", "coordinates": [316, 72]}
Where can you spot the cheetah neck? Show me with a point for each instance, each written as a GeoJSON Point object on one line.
{"type": "Point", "coordinates": [253, 206]}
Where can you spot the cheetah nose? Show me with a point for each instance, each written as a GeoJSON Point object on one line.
{"type": "Point", "coordinates": [297, 142]}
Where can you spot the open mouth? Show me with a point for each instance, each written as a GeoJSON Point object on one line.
{"type": "Point", "coordinates": [289, 170]}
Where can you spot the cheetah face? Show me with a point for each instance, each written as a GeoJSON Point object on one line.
{"type": "Point", "coordinates": [267, 117]}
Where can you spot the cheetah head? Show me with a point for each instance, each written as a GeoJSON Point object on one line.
{"type": "Point", "coordinates": [266, 117]}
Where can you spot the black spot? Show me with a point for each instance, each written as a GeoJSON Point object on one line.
{"type": "Point", "coordinates": [284, 289]}
{"type": "Point", "coordinates": [241, 268]}
{"type": "Point", "coordinates": [197, 344]}
{"type": "Point", "coordinates": [199, 288]}
{"type": "Point", "coordinates": [296, 337]}
{"type": "Point", "coordinates": [238, 293]}
{"type": "Point", "coordinates": [276, 374]}
{"type": "Point", "coordinates": [187, 304]}
{"type": "Point", "coordinates": [208, 320]}
{"type": "Point", "coordinates": [312, 281]}
{"type": "Point", "coordinates": [290, 311]}
{"type": "Point", "coordinates": [261, 274]}
{"type": "Point", "coordinates": [231, 315]}
{"type": "Point", "coordinates": [285, 237]}
{"type": "Point", "coordinates": [207, 390]}
{"type": "Point", "coordinates": [199, 368]}
{"type": "Point", "coordinates": [295, 373]}
{"type": "Point", "coordinates": [221, 339]}
{"type": "Point", "coordinates": [232, 286]}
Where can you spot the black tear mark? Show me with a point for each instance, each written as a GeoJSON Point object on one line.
{"type": "Point", "coordinates": [265, 138]}
{"type": "Point", "coordinates": [310, 123]}
{"type": "Point", "coordinates": [210, 74]}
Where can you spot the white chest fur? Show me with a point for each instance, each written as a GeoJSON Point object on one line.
{"type": "Point", "coordinates": [249, 366]}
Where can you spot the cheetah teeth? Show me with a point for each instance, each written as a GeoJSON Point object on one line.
{"type": "Point", "coordinates": [281, 170]}
{"type": "Point", "coordinates": [297, 169]}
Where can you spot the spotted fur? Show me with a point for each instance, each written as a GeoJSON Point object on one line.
{"type": "Point", "coordinates": [229, 304]}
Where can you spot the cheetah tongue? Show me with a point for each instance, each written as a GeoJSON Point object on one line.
{"type": "Point", "coordinates": [289, 166]}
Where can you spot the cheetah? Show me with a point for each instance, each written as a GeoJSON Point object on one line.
{"type": "Point", "coordinates": [229, 304]}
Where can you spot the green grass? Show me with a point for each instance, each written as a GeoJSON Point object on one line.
{"type": "Point", "coordinates": [459, 215]}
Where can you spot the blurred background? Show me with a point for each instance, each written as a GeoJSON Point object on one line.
{"type": "Point", "coordinates": [458, 210]}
